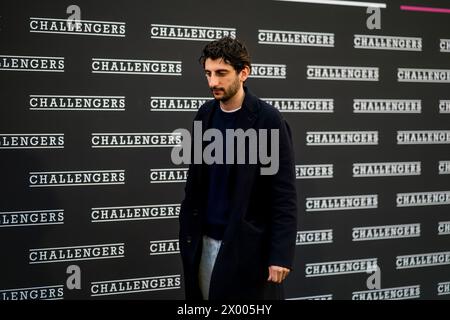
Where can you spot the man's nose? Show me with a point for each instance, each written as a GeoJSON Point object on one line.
{"type": "Point", "coordinates": [213, 81]}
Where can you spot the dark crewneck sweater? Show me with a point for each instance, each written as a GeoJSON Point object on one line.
{"type": "Point", "coordinates": [217, 210]}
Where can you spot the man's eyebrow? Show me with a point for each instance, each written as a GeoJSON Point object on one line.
{"type": "Point", "coordinates": [218, 70]}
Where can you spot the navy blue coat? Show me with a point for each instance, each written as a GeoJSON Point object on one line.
{"type": "Point", "coordinates": [263, 215]}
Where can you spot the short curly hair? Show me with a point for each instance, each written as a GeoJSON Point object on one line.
{"type": "Point", "coordinates": [231, 50]}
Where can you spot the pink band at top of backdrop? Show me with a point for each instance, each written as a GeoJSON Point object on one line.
{"type": "Point", "coordinates": [425, 9]}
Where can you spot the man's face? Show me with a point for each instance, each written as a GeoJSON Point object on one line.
{"type": "Point", "coordinates": [223, 80]}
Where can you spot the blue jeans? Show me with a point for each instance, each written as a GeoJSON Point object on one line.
{"type": "Point", "coordinates": [209, 254]}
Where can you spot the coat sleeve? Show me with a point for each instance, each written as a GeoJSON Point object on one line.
{"type": "Point", "coordinates": [283, 203]}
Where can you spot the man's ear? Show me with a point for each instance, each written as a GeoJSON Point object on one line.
{"type": "Point", "coordinates": [243, 75]}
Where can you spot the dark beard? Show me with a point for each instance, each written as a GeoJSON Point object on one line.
{"type": "Point", "coordinates": [234, 88]}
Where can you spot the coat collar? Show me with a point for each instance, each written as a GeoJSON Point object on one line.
{"type": "Point", "coordinates": [248, 113]}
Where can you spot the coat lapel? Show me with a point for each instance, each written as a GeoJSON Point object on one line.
{"type": "Point", "coordinates": [240, 173]}
{"type": "Point", "coordinates": [202, 172]}
{"type": "Point", "coordinates": [248, 113]}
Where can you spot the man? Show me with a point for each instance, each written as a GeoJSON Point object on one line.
{"type": "Point", "coordinates": [237, 226]}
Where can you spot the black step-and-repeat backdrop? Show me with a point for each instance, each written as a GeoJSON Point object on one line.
{"type": "Point", "coordinates": [91, 91]}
